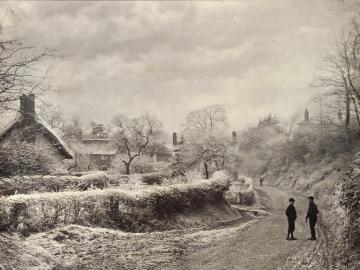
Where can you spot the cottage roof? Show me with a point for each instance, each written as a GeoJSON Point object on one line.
{"type": "Point", "coordinates": [55, 138]}
{"type": "Point", "coordinates": [95, 146]}
{"type": "Point", "coordinates": [27, 118]}
{"type": "Point", "coordinates": [42, 127]}
{"type": "Point", "coordinates": [105, 152]}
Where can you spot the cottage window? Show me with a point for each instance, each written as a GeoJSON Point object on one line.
{"type": "Point", "coordinates": [103, 157]}
{"type": "Point", "coordinates": [103, 168]}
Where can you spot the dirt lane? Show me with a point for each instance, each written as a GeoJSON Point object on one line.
{"type": "Point", "coordinates": [260, 246]}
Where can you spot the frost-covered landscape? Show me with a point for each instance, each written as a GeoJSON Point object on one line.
{"type": "Point", "coordinates": [180, 135]}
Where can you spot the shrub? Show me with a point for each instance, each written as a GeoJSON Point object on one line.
{"type": "Point", "coordinates": [111, 208]}
{"type": "Point", "coordinates": [25, 158]}
{"type": "Point", "coordinates": [189, 176]}
{"type": "Point", "coordinates": [241, 192]}
{"type": "Point", "coordinates": [350, 201]}
{"type": "Point", "coordinates": [48, 183]}
{"type": "Point", "coordinates": [155, 178]}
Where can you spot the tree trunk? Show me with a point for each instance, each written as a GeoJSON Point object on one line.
{"type": "Point", "coordinates": [356, 111]}
{"type": "Point", "coordinates": [206, 170]}
{"type": "Point", "coordinates": [127, 167]}
{"type": "Point", "coordinates": [347, 107]}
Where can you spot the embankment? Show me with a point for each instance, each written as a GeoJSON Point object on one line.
{"type": "Point", "coordinates": [335, 183]}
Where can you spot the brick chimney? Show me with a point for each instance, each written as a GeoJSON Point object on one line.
{"type": "Point", "coordinates": [306, 115]}
{"type": "Point", "coordinates": [234, 138]}
{"type": "Point", "coordinates": [175, 139]}
{"type": "Point", "coordinates": [27, 106]}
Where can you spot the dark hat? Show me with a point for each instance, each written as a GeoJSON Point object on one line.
{"type": "Point", "coordinates": [291, 200]}
{"type": "Point", "coordinates": [311, 198]}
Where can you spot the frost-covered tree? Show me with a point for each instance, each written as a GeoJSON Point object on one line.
{"type": "Point", "coordinates": [205, 139]}
{"type": "Point", "coordinates": [134, 135]}
{"type": "Point", "coordinates": [208, 148]}
{"type": "Point", "coordinates": [208, 118]}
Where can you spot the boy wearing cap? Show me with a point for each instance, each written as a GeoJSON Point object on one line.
{"type": "Point", "coordinates": [312, 217]}
{"type": "Point", "coordinates": [291, 217]}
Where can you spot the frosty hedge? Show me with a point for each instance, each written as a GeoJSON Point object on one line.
{"type": "Point", "coordinates": [110, 208]}
{"type": "Point", "coordinates": [54, 183]}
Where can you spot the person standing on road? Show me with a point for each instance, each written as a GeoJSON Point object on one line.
{"type": "Point", "coordinates": [312, 217]}
{"type": "Point", "coordinates": [291, 217]}
{"type": "Point", "coordinates": [261, 180]}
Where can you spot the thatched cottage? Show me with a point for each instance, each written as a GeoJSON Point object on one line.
{"type": "Point", "coordinates": [31, 128]}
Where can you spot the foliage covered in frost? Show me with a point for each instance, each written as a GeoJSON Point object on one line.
{"type": "Point", "coordinates": [150, 209]}
{"type": "Point", "coordinates": [55, 183]}
{"type": "Point", "coordinates": [241, 191]}
{"type": "Point", "coordinates": [350, 201]}
{"type": "Point", "coordinates": [23, 158]}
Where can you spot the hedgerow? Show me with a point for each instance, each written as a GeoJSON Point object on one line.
{"type": "Point", "coordinates": [110, 208]}
{"type": "Point", "coordinates": [54, 183]}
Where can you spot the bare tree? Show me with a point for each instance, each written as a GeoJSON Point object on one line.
{"type": "Point", "coordinates": [286, 130]}
{"type": "Point", "coordinates": [19, 72]}
{"type": "Point", "coordinates": [72, 129]}
{"type": "Point", "coordinates": [207, 118]}
{"type": "Point", "coordinates": [341, 73]}
{"type": "Point", "coordinates": [53, 115]}
{"type": "Point", "coordinates": [134, 135]}
{"type": "Point", "coordinates": [68, 129]}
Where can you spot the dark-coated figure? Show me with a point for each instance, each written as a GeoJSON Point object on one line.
{"type": "Point", "coordinates": [261, 180]}
{"type": "Point", "coordinates": [312, 217]}
{"type": "Point", "coordinates": [291, 217]}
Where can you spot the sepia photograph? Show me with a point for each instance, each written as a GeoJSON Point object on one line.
{"type": "Point", "coordinates": [180, 135]}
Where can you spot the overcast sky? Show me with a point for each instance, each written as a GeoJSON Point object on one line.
{"type": "Point", "coordinates": [168, 58]}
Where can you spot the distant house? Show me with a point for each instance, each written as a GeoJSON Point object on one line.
{"type": "Point", "coordinates": [322, 121]}
{"type": "Point", "coordinates": [31, 128]}
{"type": "Point", "coordinates": [102, 160]}
{"type": "Point", "coordinates": [97, 151]}
{"type": "Point", "coordinates": [307, 120]}
{"type": "Point", "coordinates": [100, 150]}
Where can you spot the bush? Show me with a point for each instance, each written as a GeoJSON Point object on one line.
{"type": "Point", "coordinates": [189, 176]}
{"type": "Point", "coordinates": [112, 208]}
{"type": "Point", "coordinates": [24, 159]}
{"type": "Point", "coordinates": [142, 164]}
{"type": "Point", "coordinates": [155, 178]}
{"type": "Point", "coordinates": [350, 201]}
{"type": "Point", "coordinates": [241, 192]}
{"type": "Point", "coordinates": [53, 183]}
